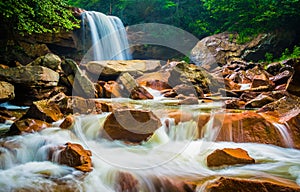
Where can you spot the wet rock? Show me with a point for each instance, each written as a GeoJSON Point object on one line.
{"type": "Point", "coordinates": [130, 125]}
{"type": "Point", "coordinates": [180, 116]}
{"type": "Point", "coordinates": [185, 89]}
{"type": "Point", "coordinates": [30, 76]}
{"type": "Point", "coordinates": [282, 78]}
{"type": "Point", "coordinates": [140, 93]}
{"type": "Point", "coordinates": [294, 86]}
{"type": "Point", "coordinates": [273, 68]}
{"type": "Point", "coordinates": [191, 75]}
{"type": "Point", "coordinates": [167, 184]}
{"type": "Point", "coordinates": [7, 91]}
{"type": "Point", "coordinates": [249, 95]}
{"type": "Point", "coordinates": [126, 182]}
{"type": "Point", "coordinates": [80, 83]}
{"type": "Point", "coordinates": [68, 122]}
{"type": "Point", "coordinates": [259, 101]}
{"type": "Point", "coordinates": [234, 104]}
{"type": "Point", "coordinates": [44, 110]}
{"type": "Point", "coordinates": [160, 76]}
{"type": "Point", "coordinates": [128, 82]}
{"type": "Point", "coordinates": [74, 155]}
{"type": "Point", "coordinates": [228, 184]}
{"type": "Point", "coordinates": [27, 125]}
{"type": "Point", "coordinates": [112, 89]}
{"type": "Point", "coordinates": [190, 100]}
{"type": "Point", "coordinates": [49, 60]}
{"type": "Point", "coordinates": [229, 84]}
{"type": "Point", "coordinates": [222, 49]}
{"type": "Point", "coordinates": [285, 111]}
{"type": "Point", "coordinates": [228, 156]}
{"type": "Point", "coordinates": [157, 85]}
{"type": "Point", "coordinates": [242, 127]}
{"type": "Point", "coordinates": [74, 104]}
{"type": "Point", "coordinates": [26, 95]}
{"type": "Point", "coordinates": [115, 68]}
{"type": "Point", "coordinates": [260, 81]}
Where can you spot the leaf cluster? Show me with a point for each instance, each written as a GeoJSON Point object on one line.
{"type": "Point", "coordinates": [37, 16]}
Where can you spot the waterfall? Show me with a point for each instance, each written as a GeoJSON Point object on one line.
{"type": "Point", "coordinates": [103, 37]}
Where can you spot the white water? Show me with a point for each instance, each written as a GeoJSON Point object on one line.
{"type": "Point", "coordinates": [173, 151]}
{"type": "Point", "coordinates": [107, 37]}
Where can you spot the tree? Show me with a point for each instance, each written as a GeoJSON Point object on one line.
{"type": "Point", "coordinates": [37, 16]}
{"type": "Point", "coordinates": [254, 16]}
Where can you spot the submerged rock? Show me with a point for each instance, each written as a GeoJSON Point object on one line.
{"type": "Point", "coordinates": [74, 155]}
{"type": "Point", "coordinates": [242, 127]}
{"type": "Point", "coordinates": [126, 182]}
{"type": "Point", "coordinates": [130, 125]}
{"type": "Point", "coordinates": [227, 156]}
{"type": "Point", "coordinates": [229, 184]}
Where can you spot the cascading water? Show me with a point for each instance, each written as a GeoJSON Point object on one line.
{"type": "Point", "coordinates": [103, 37]}
{"type": "Point", "coordinates": [172, 152]}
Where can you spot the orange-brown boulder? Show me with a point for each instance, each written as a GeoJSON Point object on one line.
{"type": "Point", "coordinates": [227, 184]}
{"type": "Point", "coordinates": [180, 116]}
{"type": "Point", "coordinates": [227, 156]}
{"type": "Point", "coordinates": [74, 155]}
{"type": "Point", "coordinates": [140, 93]}
{"type": "Point", "coordinates": [44, 110]}
{"type": "Point", "coordinates": [242, 127]}
{"type": "Point", "coordinates": [126, 182]}
{"type": "Point", "coordinates": [27, 126]}
{"type": "Point", "coordinates": [130, 125]}
{"type": "Point", "coordinates": [68, 122]}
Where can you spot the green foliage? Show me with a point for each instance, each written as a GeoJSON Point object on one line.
{"type": "Point", "coordinates": [286, 54]}
{"type": "Point", "coordinates": [251, 17]}
{"type": "Point", "coordinates": [290, 55]}
{"type": "Point", "coordinates": [37, 16]}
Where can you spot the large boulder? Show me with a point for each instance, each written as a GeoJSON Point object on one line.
{"type": "Point", "coordinates": [73, 155]}
{"type": "Point", "coordinates": [294, 86]}
{"type": "Point", "coordinates": [80, 84]}
{"type": "Point", "coordinates": [115, 68]}
{"type": "Point", "coordinates": [44, 110]}
{"type": "Point", "coordinates": [49, 60]}
{"type": "Point", "coordinates": [30, 76]}
{"type": "Point", "coordinates": [223, 48]}
{"type": "Point", "coordinates": [7, 91]}
{"type": "Point", "coordinates": [242, 127]}
{"type": "Point", "coordinates": [75, 104]}
{"type": "Point", "coordinates": [130, 125]}
{"type": "Point", "coordinates": [228, 156]}
{"type": "Point", "coordinates": [27, 125]}
{"type": "Point", "coordinates": [229, 184]}
{"type": "Point", "coordinates": [285, 112]}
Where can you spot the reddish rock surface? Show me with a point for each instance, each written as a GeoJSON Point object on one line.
{"type": "Point", "coordinates": [44, 110]}
{"type": "Point", "coordinates": [130, 125]}
{"type": "Point", "coordinates": [126, 182]}
{"type": "Point", "coordinates": [27, 126]}
{"type": "Point", "coordinates": [227, 156]}
{"type": "Point", "coordinates": [140, 93]}
{"type": "Point", "coordinates": [227, 184]}
{"type": "Point", "coordinates": [68, 122]}
{"type": "Point", "coordinates": [74, 155]}
{"type": "Point", "coordinates": [243, 127]}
